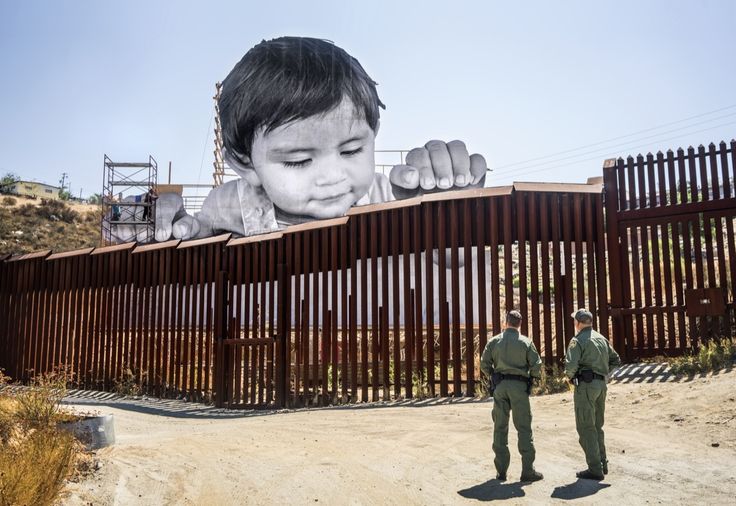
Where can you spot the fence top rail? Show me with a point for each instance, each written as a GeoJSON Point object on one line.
{"type": "Point", "coordinates": [255, 238]}
{"type": "Point", "coordinates": [560, 187]}
{"type": "Point", "coordinates": [394, 204]}
{"type": "Point", "coordinates": [156, 246]}
{"type": "Point", "coordinates": [4, 257]}
{"type": "Point", "coordinates": [207, 240]}
{"type": "Point", "coordinates": [67, 254]}
{"type": "Point", "coordinates": [29, 256]}
{"type": "Point", "coordinates": [310, 225]}
{"type": "Point", "coordinates": [492, 191]}
{"type": "Point", "coordinates": [111, 249]}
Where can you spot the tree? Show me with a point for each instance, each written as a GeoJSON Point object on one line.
{"type": "Point", "coordinates": [95, 198]}
{"type": "Point", "coordinates": [7, 181]}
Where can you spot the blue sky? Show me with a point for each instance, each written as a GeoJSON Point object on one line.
{"type": "Point", "coordinates": [515, 80]}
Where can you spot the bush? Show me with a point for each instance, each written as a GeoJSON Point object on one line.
{"type": "Point", "coordinates": [712, 356]}
{"type": "Point", "coordinates": [33, 470]}
{"type": "Point", "coordinates": [9, 201]}
{"type": "Point", "coordinates": [57, 210]}
{"type": "Point", "coordinates": [553, 381]}
{"type": "Point", "coordinates": [39, 405]}
{"type": "Point", "coordinates": [36, 457]}
{"type": "Point", "coordinates": [127, 384]}
{"type": "Point", "coordinates": [27, 210]}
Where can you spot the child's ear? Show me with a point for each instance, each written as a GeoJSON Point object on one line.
{"type": "Point", "coordinates": [242, 166]}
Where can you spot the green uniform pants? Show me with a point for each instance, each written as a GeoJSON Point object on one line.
{"type": "Point", "coordinates": [590, 408]}
{"type": "Point", "coordinates": [510, 395]}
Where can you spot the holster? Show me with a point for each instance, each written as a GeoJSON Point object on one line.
{"type": "Point", "coordinates": [586, 375]}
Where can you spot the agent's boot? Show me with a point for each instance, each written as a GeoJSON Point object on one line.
{"type": "Point", "coordinates": [589, 475]}
{"type": "Point", "coordinates": [533, 476]}
{"type": "Point", "coordinates": [501, 476]}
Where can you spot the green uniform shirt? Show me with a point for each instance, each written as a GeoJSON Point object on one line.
{"type": "Point", "coordinates": [511, 353]}
{"type": "Point", "coordinates": [590, 350]}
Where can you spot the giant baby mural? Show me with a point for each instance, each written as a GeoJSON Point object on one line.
{"type": "Point", "coordinates": [299, 121]}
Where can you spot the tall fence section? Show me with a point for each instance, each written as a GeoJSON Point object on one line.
{"type": "Point", "coordinates": [394, 300]}
{"type": "Point", "coordinates": [670, 228]}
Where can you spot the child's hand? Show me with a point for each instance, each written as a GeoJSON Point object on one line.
{"type": "Point", "coordinates": [173, 220]}
{"type": "Point", "coordinates": [438, 166]}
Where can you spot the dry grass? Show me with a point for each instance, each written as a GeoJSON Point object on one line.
{"type": "Point", "coordinates": [33, 225]}
{"type": "Point", "coordinates": [715, 355]}
{"type": "Point", "coordinates": [36, 457]}
{"type": "Point", "coordinates": [33, 468]}
{"type": "Point", "coordinates": [553, 381]}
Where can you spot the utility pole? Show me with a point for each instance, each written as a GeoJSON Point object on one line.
{"type": "Point", "coordinates": [63, 180]}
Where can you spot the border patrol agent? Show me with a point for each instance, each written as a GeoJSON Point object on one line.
{"type": "Point", "coordinates": [588, 361]}
{"type": "Point", "coordinates": [511, 361]}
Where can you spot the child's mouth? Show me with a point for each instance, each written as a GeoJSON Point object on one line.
{"type": "Point", "coordinates": [332, 199]}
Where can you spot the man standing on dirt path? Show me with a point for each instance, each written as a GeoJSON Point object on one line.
{"type": "Point", "coordinates": [511, 361]}
{"type": "Point", "coordinates": [588, 361]}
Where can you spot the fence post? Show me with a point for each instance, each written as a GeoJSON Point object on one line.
{"type": "Point", "coordinates": [221, 333]}
{"type": "Point", "coordinates": [610, 189]}
{"type": "Point", "coordinates": [282, 349]}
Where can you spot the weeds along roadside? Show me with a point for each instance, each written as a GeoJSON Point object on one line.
{"type": "Point", "coordinates": [714, 355]}
{"type": "Point", "coordinates": [36, 456]}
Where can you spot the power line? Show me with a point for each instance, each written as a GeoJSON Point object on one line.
{"type": "Point", "coordinates": [544, 169]}
{"type": "Point", "coordinates": [204, 147]}
{"type": "Point", "coordinates": [620, 144]}
{"type": "Point", "coordinates": [617, 138]}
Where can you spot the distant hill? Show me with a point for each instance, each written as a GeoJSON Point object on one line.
{"type": "Point", "coordinates": [28, 225]}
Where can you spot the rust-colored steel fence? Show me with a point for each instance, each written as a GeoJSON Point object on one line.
{"type": "Point", "coordinates": [671, 248]}
{"type": "Point", "coordinates": [394, 300]}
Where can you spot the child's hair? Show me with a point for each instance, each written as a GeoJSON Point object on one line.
{"type": "Point", "coordinates": [291, 78]}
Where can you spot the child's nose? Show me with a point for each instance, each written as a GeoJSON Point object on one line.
{"type": "Point", "coordinates": [331, 173]}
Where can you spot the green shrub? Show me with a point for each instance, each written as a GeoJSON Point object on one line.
{"type": "Point", "coordinates": [553, 381]}
{"type": "Point", "coordinates": [127, 384]}
{"type": "Point", "coordinates": [714, 355]}
{"type": "Point", "coordinates": [39, 405]}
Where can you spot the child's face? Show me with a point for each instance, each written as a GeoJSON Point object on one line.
{"type": "Point", "coordinates": [318, 166]}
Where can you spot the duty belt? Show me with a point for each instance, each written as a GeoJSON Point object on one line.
{"type": "Point", "coordinates": [588, 376]}
{"type": "Point", "coordinates": [516, 377]}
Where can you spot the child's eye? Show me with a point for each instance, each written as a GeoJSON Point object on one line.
{"type": "Point", "coordinates": [352, 152]}
{"type": "Point", "coordinates": [297, 163]}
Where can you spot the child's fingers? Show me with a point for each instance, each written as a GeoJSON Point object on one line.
{"type": "Point", "coordinates": [167, 207]}
{"type": "Point", "coordinates": [441, 163]}
{"type": "Point", "coordinates": [478, 167]}
{"type": "Point", "coordinates": [419, 158]}
{"type": "Point", "coordinates": [404, 176]}
{"type": "Point", "coordinates": [186, 227]}
{"type": "Point", "coordinates": [460, 163]}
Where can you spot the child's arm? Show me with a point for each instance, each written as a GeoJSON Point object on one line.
{"type": "Point", "coordinates": [220, 212]}
{"type": "Point", "coordinates": [438, 166]}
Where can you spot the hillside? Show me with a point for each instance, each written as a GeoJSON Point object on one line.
{"type": "Point", "coordinates": [28, 225]}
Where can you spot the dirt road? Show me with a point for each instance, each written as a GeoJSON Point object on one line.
{"type": "Point", "coordinates": [669, 442]}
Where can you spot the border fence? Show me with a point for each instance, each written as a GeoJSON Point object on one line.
{"type": "Point", "coordinates": [394, 300]}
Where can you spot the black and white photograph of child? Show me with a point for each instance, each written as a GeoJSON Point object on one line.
{"type": "Point", "coordinates": [300, 118]}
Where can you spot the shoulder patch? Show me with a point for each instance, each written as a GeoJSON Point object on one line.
{"type": "Point", "coordinates": [573, 343]}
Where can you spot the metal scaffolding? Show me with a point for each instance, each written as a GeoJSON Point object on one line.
{"type": "Point", "coordinates": [219, 164]}
{"type": "Point", "coordinates": [128, 201]}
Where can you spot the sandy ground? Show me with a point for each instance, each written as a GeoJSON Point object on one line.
{"type": "Point", "coordinates": [669, 442]}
